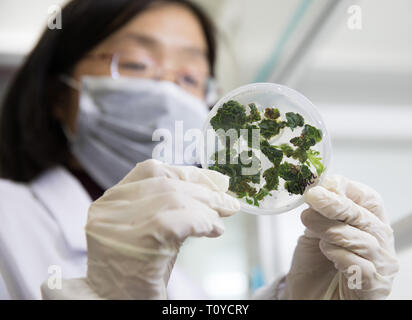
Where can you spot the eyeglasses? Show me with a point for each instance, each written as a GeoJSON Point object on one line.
{"type": "Point", "coordinates": [188, 76]}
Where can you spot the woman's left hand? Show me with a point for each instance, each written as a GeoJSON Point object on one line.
{"type": "Point", "coordinates": [346, 231]}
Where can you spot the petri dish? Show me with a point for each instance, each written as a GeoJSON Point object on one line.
{"type": "Point", "coordinates": [271, 95]}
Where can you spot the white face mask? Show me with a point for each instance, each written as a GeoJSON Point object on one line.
{"type": "Point", "coordinates": [117, 118]}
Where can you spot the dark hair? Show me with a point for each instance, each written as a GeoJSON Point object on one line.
{"type": "Point", "coordinates": [31, 138]}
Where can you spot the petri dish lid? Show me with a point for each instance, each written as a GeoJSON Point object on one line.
{"type": "Point", "coordinates": [285, 99]}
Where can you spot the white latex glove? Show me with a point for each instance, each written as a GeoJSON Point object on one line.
{"type": "Point", "coordinates": [345, 226]}
{"type": "Point", "coordinates": [134, 231]}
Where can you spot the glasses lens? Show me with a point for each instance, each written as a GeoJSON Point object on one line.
{"type": "Point", "coordinates": [188, 76]}
{"type": "Point", "coordinates": [134, 65]}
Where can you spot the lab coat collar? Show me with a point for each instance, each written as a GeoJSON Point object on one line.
{"type": "Point", "coordinates": [67, 201]}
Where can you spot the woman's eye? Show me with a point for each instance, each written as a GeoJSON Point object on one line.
{"type": "Point", "coordinates": [190, 80]}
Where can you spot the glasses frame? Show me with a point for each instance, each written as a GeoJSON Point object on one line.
{"type": "Point", "coordinates": [212, 88]}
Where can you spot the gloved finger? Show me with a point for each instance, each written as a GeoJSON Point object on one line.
{"type": "Point", "coordinates": [353, 239]}
{"type": "Point", "coordinates": [360, 273]}
{"type": "Point", "coordinates": [359, 193]}
{"type": "Point", "coordinates": [169, 268]}
{"type": "Point", "coordinates": [168, 219]}
{"type": "Point", "coordinates": [223, 203]}
{"type": "Point", "coordinates": [134, 213]}
{"type": "Point", "coordinates": [154, 168]}
{"type": "Point", "coordinates": [310, 234]}
{"type": "Point", "coordinates": [175, 225]}
{"type": "Point", "coordinates": [337, 207]}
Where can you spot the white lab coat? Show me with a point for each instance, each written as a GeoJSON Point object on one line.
{"type": "Point", "coordinates": [42, 226]}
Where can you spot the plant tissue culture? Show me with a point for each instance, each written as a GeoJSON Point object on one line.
{"type": "Point", "coordinates": [250, 136]}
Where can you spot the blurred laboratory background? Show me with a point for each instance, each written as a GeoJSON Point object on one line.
{"type": "Point", "coordinates": [352, 59]}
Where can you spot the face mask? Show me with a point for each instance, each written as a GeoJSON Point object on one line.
{"type": "Point", "coordinates": [117, 118]}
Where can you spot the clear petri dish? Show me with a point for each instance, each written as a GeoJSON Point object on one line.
{"type": "Point", "coordinates": [271, 95]}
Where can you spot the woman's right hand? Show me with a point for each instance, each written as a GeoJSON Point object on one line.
{"type": "Point", "coordinates": [134, 231]}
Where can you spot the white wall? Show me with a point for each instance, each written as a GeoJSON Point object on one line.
{"type": "Point", "coordinates": [21, 23]}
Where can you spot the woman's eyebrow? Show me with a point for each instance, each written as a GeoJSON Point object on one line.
{"type": "Point", "coordinates": [152, 42]}
{"type": "Point", "coordinates": [143, 39]}
{"type": "Point", "coordinates": [194, 51]}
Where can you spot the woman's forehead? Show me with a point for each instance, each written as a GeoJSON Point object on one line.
{"type": "Point", "coordinates": [171, 26]}
{"type": "Point", "coordinates": [154, 43]}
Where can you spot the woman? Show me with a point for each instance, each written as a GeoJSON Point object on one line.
{"type": "Point", "coordinates": [78, 116]}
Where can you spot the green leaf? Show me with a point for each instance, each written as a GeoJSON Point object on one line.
{"type": "Point", "coordinates": [297, 178]}
{"type": "Point", "coordinates": [254, 114]}
{"type": "Point", "coordinates": [270, 128]}
{"type": "Point", "coordinates": [272, 113]}
{"type": "Point", "coordinates": [271, 176]}
{"type": "Point", "coordinates": [271, 152]}
{"type": "Point", "coordinates": [294, 120]}
{"type": "Point", "coordinates": [287, 150]}
{"type": "Point", "coordinates": [232, 115]}
{"type": "Point", "coordinates": [312, 133]}
{"type": "Point", "coordinates": [316, 161]}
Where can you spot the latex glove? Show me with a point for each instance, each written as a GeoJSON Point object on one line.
{"type": "Point", "coordinates": [345, 226]}
{"type": "Point", "coordinates": [134, 231]}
